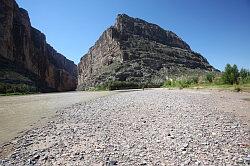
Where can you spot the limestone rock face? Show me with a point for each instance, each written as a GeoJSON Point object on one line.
{"type": "Point", "coordinates": [138, 51]}
{"type": "Point", "coordinates": [24, 53]}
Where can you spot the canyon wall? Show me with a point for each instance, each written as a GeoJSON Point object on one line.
{"type": "Point", "coordinates": [26, 57]}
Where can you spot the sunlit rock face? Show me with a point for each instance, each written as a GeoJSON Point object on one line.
{"type": "Point", "coordinates": [25, 54]}
{"type": "Point", "coordinates": [138, 51]}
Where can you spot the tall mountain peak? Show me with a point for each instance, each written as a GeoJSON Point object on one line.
{"type": "Point", "coordinates": [135, 26]}
{"type": "Point", "coordinates": [134, 50]}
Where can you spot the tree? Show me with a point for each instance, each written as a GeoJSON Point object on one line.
{"type": "Point", "coordinates": [231, 74]}
{"type": "Point", "coordinates": [235, 74]}
{"type": "Point", "coordinates": [244, 73]}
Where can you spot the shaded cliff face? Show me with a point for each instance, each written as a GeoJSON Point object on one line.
{"type": "Point", "coordinates": [25, 57]}
{"type": "Point", "coordinates": [138, 51]}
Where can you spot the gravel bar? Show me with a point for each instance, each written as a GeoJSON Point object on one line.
{"type": "Point", "coordinates": [150, 127]}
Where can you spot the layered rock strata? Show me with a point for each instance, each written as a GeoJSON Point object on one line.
{"type": "Point", "coordinates": [134, 50]}
{"type": "Point", "coordinates": [26, 57]}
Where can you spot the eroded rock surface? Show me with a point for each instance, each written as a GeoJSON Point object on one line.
{"type": "Point", "coordinates": [138, 51]}
{"type": "Point", "coordinates": [25, 57]}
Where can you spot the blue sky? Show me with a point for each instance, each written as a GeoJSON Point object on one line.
{"type": "Point", "coordinates": [218, 29]}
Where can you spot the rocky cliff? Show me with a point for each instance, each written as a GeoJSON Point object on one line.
{"type": "Point", "coordinates": [26, 58]}
{"type": "Point", "coordinates": [137, 51]}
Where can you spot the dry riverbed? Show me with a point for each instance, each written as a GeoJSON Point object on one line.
{"type": "Point", "coordinates": [151, 127]}
{"type": "Point", "coordinates": [20, 113]}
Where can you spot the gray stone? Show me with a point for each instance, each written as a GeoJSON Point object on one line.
{"type": "Point", "coordinates": [247, 160]}
{"type": "Point", "coordinates": [112, 163]}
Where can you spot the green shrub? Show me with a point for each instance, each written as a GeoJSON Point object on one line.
{"type": "Point", "coordinates": [168, 83]}
{"type": "Point", "coordinates": [210, 77]}
{"type": "Point", "coordinates": [237, 88]}
{"type": "Point", "coordinates": [218, 80]}
{"type": "Point", "coordinates": [101, 87]}
{"type": "Point", "coordinates": [116, 85]}
{"type": "Point", "coordinates": [244, 73]}
{"type": "Point", "coordinates": [182, 82]}
{"type": "Point", "coordinates": [194, 79]}
{"type": "Point", "coordinates": [247, 80]}
{"type": "Point", "coordinates": [185, 83]}
{"type": "Point", "coordinates": [151, 85]}
{"type": "Point", "coordinates": [6, 88]}
{"type": "Point", "coordinates": [231, 74]}
{"type": "Point", "coordinates": [2, 88]}
{"type": "Point", "coordinates": [244, 76]}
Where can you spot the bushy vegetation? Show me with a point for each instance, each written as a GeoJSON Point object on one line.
{"type": "Point", "coordinates": [210, 77]}
{"type": "Point", "coordinates": [231, 74]}
{"type": "Point", "coordinates": [118, 85]}
{"type": "Point", "coordinates": [6, 88]}
{"type": "Point", "coordinates": [244, 76]}
{"type": "Point", "coordinates": [183, 82]}
{"type": "Point", "coordinates": [115, 85]}
{"type": "Point", "coordinates": [230, 78]}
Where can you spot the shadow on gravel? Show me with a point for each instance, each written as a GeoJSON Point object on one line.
{"type": "Point", "coordinates": [127, 90]}
{"type": "Point", "coordinates": [246, 99]}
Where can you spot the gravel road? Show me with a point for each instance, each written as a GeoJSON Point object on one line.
{"type": "Point", "coordinates": [151, 127]}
